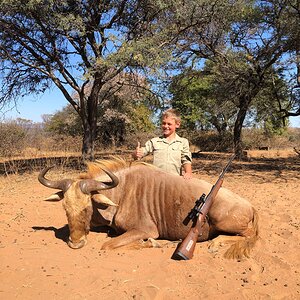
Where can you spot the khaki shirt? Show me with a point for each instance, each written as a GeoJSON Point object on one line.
{"type": "Point", "coordinates": [169, 156]}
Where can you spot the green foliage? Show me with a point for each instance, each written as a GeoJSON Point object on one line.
{"type": "Point", "coordinates": [74, 45]}
{"type": "Point", "coordinates": [65, 122]}
{"type": "Point", "coordinates": [273, 127]}
{"type": "Point", "coordinates": [266, 106]}
{"type": "Point", "coordinates": [188, 94]}
{"type": "Point", "coordinates": [119, 117]}
{"type": "Point", "coordinates": [196, 95]}
{"type": "Point", "coordinates": [82, 47]}
{"type": "Point", "coordinates": [140, 119]}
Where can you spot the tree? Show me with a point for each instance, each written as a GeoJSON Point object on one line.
{"type": "Point", "coordinates": [244, 39]}
{"type": "Point", "coordinates": [291, 20]}
{"type": "Point", "coordinates": [266, 105]}
{"type": "Point", "coordinates": [200, 97]}
{"type": "Point", "coordinates": [197, 96]}
{"type": "Point", "coordinates": [125, 110]}
{"type": "Point", "coordinates": [73, 44]}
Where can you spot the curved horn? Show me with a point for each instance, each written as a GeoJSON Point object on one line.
{"type": "Point", "coordinates": [89, 185]}
{"type": "Point", "coordinates": [60, 185]}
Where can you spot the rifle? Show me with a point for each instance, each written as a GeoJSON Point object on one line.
{"type": "Point", "coordinates": [185, 249]}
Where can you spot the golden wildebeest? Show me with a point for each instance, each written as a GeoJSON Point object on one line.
{"type": "Point", "coordinates": [140, 201]}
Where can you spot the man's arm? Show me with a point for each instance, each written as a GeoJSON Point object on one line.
{"type": "Point", "coordinates": [187, 171]}
{"type": "Point", "coordinates": [186, 160]}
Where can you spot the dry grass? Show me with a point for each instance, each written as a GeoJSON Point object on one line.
{"type": "Point", "coordinates": [33, 153]}
{"type": "Point", "coordinates": [273, 153]}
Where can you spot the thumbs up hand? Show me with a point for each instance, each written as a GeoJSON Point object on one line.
{"type": "Point", "coordinates": [138, 153]}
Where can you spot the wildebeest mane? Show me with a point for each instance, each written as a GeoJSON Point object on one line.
{"type": "Point", "coordinates": [113, 164]}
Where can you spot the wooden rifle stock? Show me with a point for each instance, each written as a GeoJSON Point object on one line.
{"type": "Point", "coordinates": [186, 248]}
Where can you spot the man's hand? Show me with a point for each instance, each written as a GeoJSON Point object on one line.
{"type": "Point", "coordinates": [138, 153]}
{"type": "Point", "coordinates": [187, 174]}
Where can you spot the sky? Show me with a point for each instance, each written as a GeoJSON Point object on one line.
{"type": "Point", "coordinates": [33, 107]}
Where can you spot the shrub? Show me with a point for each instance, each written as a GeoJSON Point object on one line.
{"type": "Point", "coordinates": [12, 139]}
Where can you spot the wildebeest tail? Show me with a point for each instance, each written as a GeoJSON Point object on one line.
{"type": "Point", "coordinates": [243, 247]}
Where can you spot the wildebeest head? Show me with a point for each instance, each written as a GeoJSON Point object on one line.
{"type": "Point", "coordinates": [77, 201]}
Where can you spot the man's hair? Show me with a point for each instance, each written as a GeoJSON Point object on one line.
{"type": "Point", "coordinates": [172, 113]}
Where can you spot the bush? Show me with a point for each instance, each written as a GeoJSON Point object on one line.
{"type": "Point", "coordinates": [27, 139]}
{"type": "Point", "coordinates": [255, 138]}
{"type": "Point", "coordinates": [211, 141]}
{"type": "Point", "coordinates": [22, 138]}
{"type": "Point", "coordinates": [12, 139]}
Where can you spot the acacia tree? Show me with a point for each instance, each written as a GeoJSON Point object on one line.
{"type": "Point", "coordinates": [203, 103]}
{"type": "Point", "coordinates": [197, 96]}
{"type": "Point", "coordinates": [124, 110]}
{"type": "Point", "coordinates": [244, 39]}
{"type": "Point", "coordinates": [72, 44]}
{"type": "Point", "coordinates": [291, 21]}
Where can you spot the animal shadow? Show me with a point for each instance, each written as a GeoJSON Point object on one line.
{"type": "Point", "coordinates": [104, 229]}
{"type": "Point", "coordinates": [60, 233]}
{"type": "Point", "coordinates": [64, 232]}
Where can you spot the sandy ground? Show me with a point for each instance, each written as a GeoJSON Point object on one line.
{"type": "Point", "coordinates": [36, 263]}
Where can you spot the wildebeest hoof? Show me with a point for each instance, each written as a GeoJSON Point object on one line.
{"type": "Point", "coordinates": [108, 245]}
{"type": "Point", "coordinates": [152, 243]}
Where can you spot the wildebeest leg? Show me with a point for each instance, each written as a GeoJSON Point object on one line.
{"type": "Point", "coordinates": [128, 237]}
{"type": "Point", "coordinates": [141, 244]}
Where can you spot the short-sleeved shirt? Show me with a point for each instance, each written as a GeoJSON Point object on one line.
{"type": "Point", "coordinates": [169, 156]}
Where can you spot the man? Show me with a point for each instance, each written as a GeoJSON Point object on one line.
{"type": "Point", "coordinates": [170, 151]}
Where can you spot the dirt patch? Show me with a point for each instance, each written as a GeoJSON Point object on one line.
{"type": "Point", "coordinates": [37, 264]}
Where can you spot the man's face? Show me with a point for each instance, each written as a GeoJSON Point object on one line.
{"type": "Point", "coordinates": [169, 126]}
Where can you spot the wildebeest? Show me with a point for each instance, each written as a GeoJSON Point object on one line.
{"type": "Point", "coordinates": [141, 201]}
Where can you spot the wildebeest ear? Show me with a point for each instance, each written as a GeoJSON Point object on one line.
{"type": "Point", "coordinates": [55, 197]}
{"type": "Point", "coordinates": [100, 198]}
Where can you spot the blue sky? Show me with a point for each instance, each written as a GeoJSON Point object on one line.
{"type": "Point", "coordinates": [32, 108]}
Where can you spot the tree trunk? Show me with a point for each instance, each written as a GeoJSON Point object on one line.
{"type": "Point", "coordinates": [238, 125]}
{"type": "Point", "coordinates": [88, 143]}
{"type": "Point", "coordinates": [89, 119]}
{"type": "Point", "coordinates": [89, 122]}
